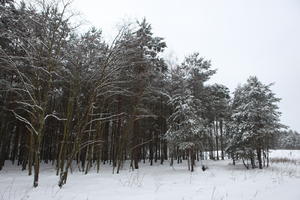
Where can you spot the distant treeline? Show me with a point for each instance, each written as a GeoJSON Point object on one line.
{"type": "Point", "coordinates": [287, 140]}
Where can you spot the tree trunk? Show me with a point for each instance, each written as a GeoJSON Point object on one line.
{"type": "Point", "coordinates": [259, 158]}
{"type": "Point", "coordinates": [221, 140]}
{"type": "Point", "coordinates": [252, 161]}
{"type": "Point", "coordinates": [37, 144]}
{"type": "Point", "coordinates": [217, 138]}
{"type": "Point", "coordinates": [192, 160]}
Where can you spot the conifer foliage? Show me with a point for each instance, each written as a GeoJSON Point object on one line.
{"type": "Point", "coordinates": [255, 120]}
{"type": "Point", "coordinates": [74, 100]}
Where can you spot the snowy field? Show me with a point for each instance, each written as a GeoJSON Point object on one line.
{"type": "Point", "coordinates": [222, 181]}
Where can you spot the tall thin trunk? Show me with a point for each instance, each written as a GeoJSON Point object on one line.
{"type": "Point", "coordinates": [258, 151]}
{"type": "Point", "coordinates": [221, 139]}
{"type": "Point", "coordinates": [192, 159]}
{"type": "Point", "coordinates": [217, 138]}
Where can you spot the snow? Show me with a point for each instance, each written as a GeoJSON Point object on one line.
{"type": "Point", "coordinates": [291, 154]}
{"type": "Point", "coordinates": [221, 181]}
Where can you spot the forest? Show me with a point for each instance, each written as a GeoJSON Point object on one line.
{"type": "Point", "coordinates": [73, 99]}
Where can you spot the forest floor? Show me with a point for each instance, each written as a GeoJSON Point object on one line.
{"type": "Point", "coordinates": [221, 181]}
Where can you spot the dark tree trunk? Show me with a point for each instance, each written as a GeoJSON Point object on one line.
{"type": "Point", "coordinates": [259, 158]}
{"type": "Point", "coordinates": [252, 161]}
{"type": "Point", "coordinates": [151, 150]}
{"type": "Point", "coordinates": [221, 140]}
{"type": "Point", "coordinates": [192, 160]}
{"type": "Point", "coordinates": [217, 138]}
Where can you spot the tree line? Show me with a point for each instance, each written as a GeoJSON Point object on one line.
{"type": "Point", "coordinates": [73, 99]}
{"type": "Point", "coordinates": [287, 140]}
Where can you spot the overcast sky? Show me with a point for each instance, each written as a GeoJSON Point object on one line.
{"type": "Point", "coordinates": [241, 38]}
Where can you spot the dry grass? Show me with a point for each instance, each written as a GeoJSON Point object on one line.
{"type": "Point", "coordinates": [285, 160]}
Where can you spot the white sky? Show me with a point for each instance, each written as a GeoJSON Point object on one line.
{"type": "Point", "coordinates": [242, 38]}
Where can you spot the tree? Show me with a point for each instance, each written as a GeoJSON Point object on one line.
{"type": "Point", "coordinates": [143, 65]}
{"type": "Point", "coordinates": [255, 120]}
{"type": "Point", "coordinates": [38, 38]}
{"type": "Point", "coordinates": [185, 124]}
{"type": "Point", "coordinates": [218, 112]}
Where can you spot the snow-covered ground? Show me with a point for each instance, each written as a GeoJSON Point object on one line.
{"type": "Point", "coordinates": [222, 181]}
{"type": "Point", "coordinates": [291, 154]}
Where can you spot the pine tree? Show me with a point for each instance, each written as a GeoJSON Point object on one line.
{"type": "Point", "coordinates": [255, 120]}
